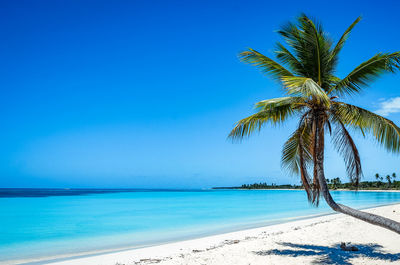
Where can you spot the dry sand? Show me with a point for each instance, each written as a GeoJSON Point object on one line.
{"type": "Point", "coordinates": [311, 241]}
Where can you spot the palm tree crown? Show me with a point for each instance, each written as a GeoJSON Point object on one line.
{"type": "Point", "coordinates": [306, 69]}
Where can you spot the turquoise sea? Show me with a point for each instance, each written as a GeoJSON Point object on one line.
{"type": "Point", "coordinates": [44, 223]}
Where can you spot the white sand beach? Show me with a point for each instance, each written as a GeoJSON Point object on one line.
{"type": "Point", "coordinates": [311, 241]}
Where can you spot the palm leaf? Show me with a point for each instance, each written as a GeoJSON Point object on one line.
{"type": "Point", "coordinates": [267, 65]}
{"type": "Point", "coordinates": [294, 102]}
{"type": "Point", "coordinates": [366, 72]}
{"type": "Point", "coordinates": [274, 111]}
{"type": "Point", "coordinates": [296, 157]}
{"type": "Point", "coordinates": [345, 146]}
{"type": "Point", "coordinates": [286, 57]}
{"type": "Point", "coordinates": [342, 40]}
{"type": "Point", "coordinates": [384, 130]}
{"type": "Point", "coordinates": [316, 39]}
{"type": "Point", "coordinates": [311, 47]}
{"type": "Point", "coordinates": [305, 87]}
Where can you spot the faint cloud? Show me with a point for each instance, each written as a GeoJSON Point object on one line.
{"type": "Point", "coordinates": [391, 105]}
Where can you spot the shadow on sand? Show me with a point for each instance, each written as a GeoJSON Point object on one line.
{"type": "Point", "coordinates": [333, 254]}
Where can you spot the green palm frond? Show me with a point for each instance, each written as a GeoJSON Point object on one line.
{"type": "Point", "coordinates": [332, 80]}
{"type": "Point", "coordinates": [267, 65]}
{"type": "Point", "coordinates": [286, 57]}
{"type": "Point", "coordinates": [311, 48]}
{"type": "Point", "coordinates": [346, 147]}
{"type": "Point", "coordinates": [294, 102]}
{"type": "Point", "coordinates": [367, 72]}
{"type": "Point", "coordinates": [291, 152]}
{"type": "Point", "coordinates": [305, 87]}
{"type": "Point", "coordinates": [316, 39]}
{"type": "Point", "coordinates": [274, 111]}
{"type": "Point", "coordinates": [296, 156]}
{"type": "Point", "coordinates": [342, 40]}
{"type": "Point", "coordinates": [293, 37]}
{"type": "Point", "coordinates": [384, 130]}
{"type": "Point", "coordinates": [319, 47]}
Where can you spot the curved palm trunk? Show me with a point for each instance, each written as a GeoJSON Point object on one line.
{"type": "Point", "coordinates": [367, 217]}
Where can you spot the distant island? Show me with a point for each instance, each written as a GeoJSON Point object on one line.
{"type": "Point", "coordinates": [387, 183]}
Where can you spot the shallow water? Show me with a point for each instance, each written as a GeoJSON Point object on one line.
{"type": "Point", "coordinates": [52, 223]}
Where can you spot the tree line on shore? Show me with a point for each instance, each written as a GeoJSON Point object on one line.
{"type": "Point", "coordinates": [388, 182]}
{"type": "Point", "coordinates": [381, 183]}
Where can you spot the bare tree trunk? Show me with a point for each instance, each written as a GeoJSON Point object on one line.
{"type": "Point", "coordinates": [367, 217]}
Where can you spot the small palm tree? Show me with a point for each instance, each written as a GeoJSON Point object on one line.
{"type": "Point", "coordinates": [389, 179]}
{"type": "Point", "coordinates": [307, 74]}
{"type": "Point", "coordinates": [377, 176]}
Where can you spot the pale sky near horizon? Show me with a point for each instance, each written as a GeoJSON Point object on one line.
{"type": "Point", "coordinates": [142, 94]}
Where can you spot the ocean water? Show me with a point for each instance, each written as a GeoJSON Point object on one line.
{"type": "Point", "coordinates": [49, 223]}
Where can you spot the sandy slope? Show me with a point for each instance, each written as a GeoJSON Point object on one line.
{"type": "Point", "coordinates": [312, 241]}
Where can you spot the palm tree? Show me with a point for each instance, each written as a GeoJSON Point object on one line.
{"type": "Point", "coordinates": [334, 183]}
{"type": "Point", "coordinates": [306, 70]}
{"type": "Point", "coordinates": [388, 178]}
{"type": "Point", "coordinates": [378, 178]}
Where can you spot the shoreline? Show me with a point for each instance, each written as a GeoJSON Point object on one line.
{"type": "Point", "coordinates": [188, 245]}
{"type": "Point", "coordinates": [237, 229]}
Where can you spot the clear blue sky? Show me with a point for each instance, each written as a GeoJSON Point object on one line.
{"type": "Point", "coordinates": [143, 93]}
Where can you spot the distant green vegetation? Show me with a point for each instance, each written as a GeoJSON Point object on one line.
{"type": "Point", "coordinates": [259, 186]}
{"type": "Point", "coordinates": [388, 182]}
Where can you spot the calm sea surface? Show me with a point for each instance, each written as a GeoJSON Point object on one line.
{"type": "Point", "coordinates": [43, 223]}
